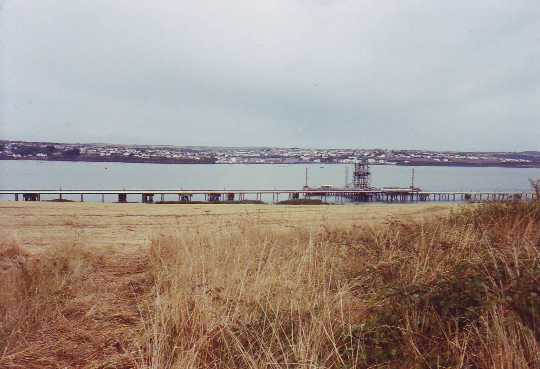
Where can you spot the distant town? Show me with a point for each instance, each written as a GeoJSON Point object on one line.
{"type": "Point", "coordinates": [22, 150]}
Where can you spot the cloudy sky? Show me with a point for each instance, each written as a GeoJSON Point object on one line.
{"type": "Point", "coordinates": [460, 74]}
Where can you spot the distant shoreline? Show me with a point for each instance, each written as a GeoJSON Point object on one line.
{"type": "Point", "coordinates": [177, 162]}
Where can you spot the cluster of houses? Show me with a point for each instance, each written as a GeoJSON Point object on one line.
{"type": "Point", "coordinates": [255, 155]}
{"type": "Point", "coordinates": [374, 157]}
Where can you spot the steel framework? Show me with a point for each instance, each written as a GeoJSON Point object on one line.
{"type": "Point", "coordinates": [361, 175]}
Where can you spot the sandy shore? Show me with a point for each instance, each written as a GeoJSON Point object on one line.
{"type": "Point", "coordinates": [36, 225]}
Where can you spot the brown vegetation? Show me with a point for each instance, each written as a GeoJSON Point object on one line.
{"type": "Point", "coordinates": [461, 291]}
{"type": "Point", "coordinates": [67, 307]}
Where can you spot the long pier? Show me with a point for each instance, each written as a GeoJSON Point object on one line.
{"type": "Point", "coordinates": [235, 195]}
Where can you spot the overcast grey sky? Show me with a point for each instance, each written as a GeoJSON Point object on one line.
{"type": "Point", "coordinates": [460, 74]}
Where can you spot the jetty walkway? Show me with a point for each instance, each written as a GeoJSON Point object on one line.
{"type": "Point", "coordinates": [273, 196]}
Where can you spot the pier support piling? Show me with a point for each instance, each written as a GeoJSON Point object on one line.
{"type": "Point", "coordinates": [31, 197]}
{"type": "Point", "coordinates": [147, 198]}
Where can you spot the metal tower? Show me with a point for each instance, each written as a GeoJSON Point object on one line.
{"type": "Point", "coordinates": [361, 175]}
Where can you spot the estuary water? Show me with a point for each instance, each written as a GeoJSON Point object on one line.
{"type": "Point", "coordinates": [46, 175]}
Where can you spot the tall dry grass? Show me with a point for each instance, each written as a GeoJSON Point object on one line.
{"type": "Point", "coordinates": [69, 306]}
{"type": "Point", "coordinates": [33, 289]}
{"type": "Point", "coordinates": [458, 292]}
{"type": "Point", "coordinates": [248, 298]}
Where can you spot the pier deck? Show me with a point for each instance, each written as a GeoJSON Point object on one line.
{"type": "Point", "coordinates": [273, 196]}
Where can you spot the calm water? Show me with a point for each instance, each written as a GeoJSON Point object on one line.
{"type": "Point", "coordinates": [53, 175]}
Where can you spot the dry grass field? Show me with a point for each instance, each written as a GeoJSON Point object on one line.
{"type": "Point", "coordinates": [255, 286]}
{"type": "Point", "coordinates": [37, 225]}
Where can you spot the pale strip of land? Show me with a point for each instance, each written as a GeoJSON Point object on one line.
{"type": "Point", "coordinates": [36, 225]}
